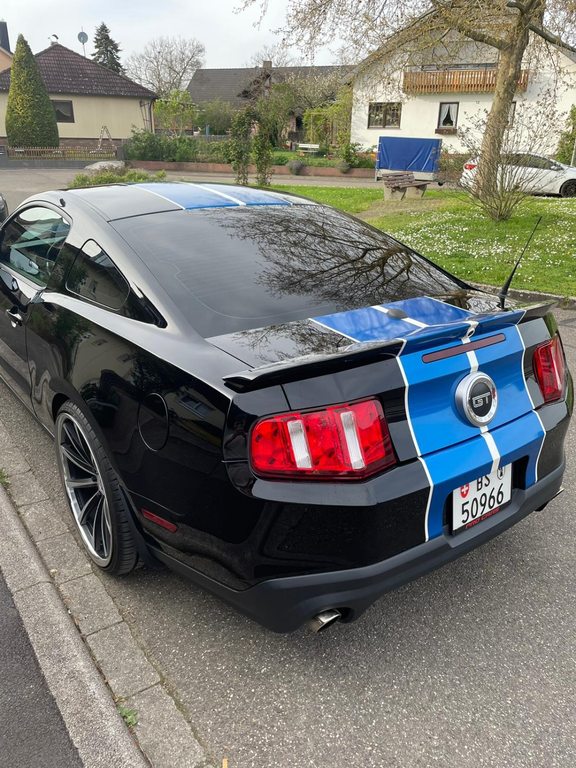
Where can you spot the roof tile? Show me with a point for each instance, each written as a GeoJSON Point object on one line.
{"type": "Point", "coordinates": [65, 71]}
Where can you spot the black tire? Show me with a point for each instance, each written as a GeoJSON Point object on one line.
{"type": "Point", "coordinates": [568, 189]}
{"type": "Point", "coordinates": [95, 498]}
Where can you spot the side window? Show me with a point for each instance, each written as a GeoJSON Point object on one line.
{"type": "Point", "coordinates": [31, 242]}
{"type": "Point", "coordinates": [535, 161]}
{"type": "Point", "coordinates": [95, 277]}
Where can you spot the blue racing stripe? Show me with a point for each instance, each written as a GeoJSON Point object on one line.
{"type": "Point", "coordinates": [459, 464]}
{"type": "Point", "coordinates": [367, 324]}
{"type": "Point", "coordinates": [249, 196]}
{"type": "Point", "coordinates": [188, 196]}
{"type": "Point", "coordinates": [430, 311]}
{"type": "Point", "coordinates": [452, 450]}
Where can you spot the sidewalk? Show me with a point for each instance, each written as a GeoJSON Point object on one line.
{"type": "Point", "coordinates": [55, 709]}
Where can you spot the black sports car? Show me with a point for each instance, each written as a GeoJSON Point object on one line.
{"type": "Point", "coordinates": [275, 399]}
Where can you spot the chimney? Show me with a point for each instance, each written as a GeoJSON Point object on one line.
{"type": "Point", "coordinates": [267, 65]}
{"type": "Point", "coordinates": [4, 39]}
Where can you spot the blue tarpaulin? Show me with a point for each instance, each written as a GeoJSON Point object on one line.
{"type": "Point", "coordinates": [396, 153]}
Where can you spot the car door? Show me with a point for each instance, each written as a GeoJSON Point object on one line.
{"type": "Point", "coordinates": [544, 175]}
{"type": "Point", "coordinates": [30, 242]}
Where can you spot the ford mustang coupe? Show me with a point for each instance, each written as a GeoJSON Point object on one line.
{"type": "Point", "coordinates": [275, 399]}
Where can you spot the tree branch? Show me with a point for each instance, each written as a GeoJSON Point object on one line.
{"type": "Point", "coordinates": [456, 21]}
{"type": "Point", "coordinates": [550, 37]}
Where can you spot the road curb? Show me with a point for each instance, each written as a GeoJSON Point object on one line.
{"type": "Point", "coordinates": [564, 302]}
{"type": "Point", "coordinates": [39, 552]}
{"type": "Point", "coordinates": [79, 691]}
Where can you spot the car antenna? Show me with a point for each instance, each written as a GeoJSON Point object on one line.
{"type": "Point", "coordinates": [506, 287]}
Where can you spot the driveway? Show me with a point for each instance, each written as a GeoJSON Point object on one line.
{"type": "Point", "coordinates": [469, 667]}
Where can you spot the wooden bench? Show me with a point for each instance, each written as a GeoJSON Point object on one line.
{"type": "Point", "coordinates": [397, 186]}
{"type": "Point", "coordinates": [308, 149]}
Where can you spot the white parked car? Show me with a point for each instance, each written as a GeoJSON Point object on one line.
{"type": "Point", "coordinates": [534, 174]}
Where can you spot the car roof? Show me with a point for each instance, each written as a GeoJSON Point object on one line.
{"type": "Point", "coordinates": [119, 201]}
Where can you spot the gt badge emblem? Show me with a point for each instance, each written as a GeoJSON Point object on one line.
{"type": "Point", "coordinates": [477, 399]}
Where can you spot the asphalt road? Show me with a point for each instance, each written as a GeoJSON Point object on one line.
{"type": "Point", "coordinates": [18, 184]}
{"type": "Point", "coordinates": [469, 667]}
{"type": "Point", "coordinates": [32, 733]}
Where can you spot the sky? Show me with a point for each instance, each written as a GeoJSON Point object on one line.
{"type": "Point", "coordinates": [229, 38]}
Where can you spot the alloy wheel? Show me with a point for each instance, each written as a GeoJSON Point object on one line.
{"type": "Point", "coordinates": [85, 489]}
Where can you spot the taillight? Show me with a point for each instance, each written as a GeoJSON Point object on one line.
{"type": "Point", "coordinates": [469, 166]}
{"type": "Point", "coordinates": [337, 442]}
{"type": "Point", "coordinates": [550, 369]}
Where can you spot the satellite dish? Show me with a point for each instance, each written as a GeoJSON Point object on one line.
{"type": "Point", "coordinates": [83, 37]}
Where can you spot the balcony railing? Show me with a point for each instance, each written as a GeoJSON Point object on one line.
{"type": "Point", "coordinates": [457, 81]}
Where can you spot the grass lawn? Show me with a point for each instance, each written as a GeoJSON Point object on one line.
{"type": "Point", "coordinates": [450, 230]}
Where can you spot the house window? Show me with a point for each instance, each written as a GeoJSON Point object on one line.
{"type": "Point", "coordinates": [64, 111]}
{"type": "Point", "coordinates": [511, 115]}
{"type": "Point", "coordinates": [384, 114]}
{"type": "Point", "coordinates": [447, 117]}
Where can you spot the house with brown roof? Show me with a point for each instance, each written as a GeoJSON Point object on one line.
{"type": "Point", "coordinates": [240, 86]}
{"type": "Point", "coordinates": [86, 97]}
{"type": "Point", "coordinates": [5, 52]}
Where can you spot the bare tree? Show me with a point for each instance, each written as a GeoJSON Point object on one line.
{"type": "Point", "coordinates": [278, 54]}
{"type": "Point", "coordinates": [505, 25]}
{"type": "Point", "coordinates": [166, 64]}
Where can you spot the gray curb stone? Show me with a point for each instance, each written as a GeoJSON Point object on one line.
{"type": "Point", "coordinates": [163, 732]}
{"type": "Point", "coordinates": [78, 689]}
{"type": "Point", "coordinates": [122, 662]}
{"type": "Point", "coordinates": [66, 576]}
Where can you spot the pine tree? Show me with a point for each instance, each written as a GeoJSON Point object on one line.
{"type": "Point", "coordinates": [30, 116]}
{"type": "Point", "coordinates": [107, 50]}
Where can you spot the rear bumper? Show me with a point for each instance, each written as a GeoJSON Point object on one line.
{"type": "Point", "coordinates": [284, 604]}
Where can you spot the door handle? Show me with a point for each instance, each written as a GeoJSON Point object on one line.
{"type": "Point", "coordinates": [15, 317]}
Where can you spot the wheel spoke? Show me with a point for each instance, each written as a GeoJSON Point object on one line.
{"type": "Point", "coordinates": [84, 482]}
{"type": "Point", "coordinates": [85, 508]}
{"type": "Point", "coordinates": [77, 442]}
{"type": "Point", "coordinates": [74, 458]}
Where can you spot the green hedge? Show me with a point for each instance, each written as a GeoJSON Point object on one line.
{"type": "Point", "coordinates": [187, 149]}
{"type": "Point", "coordinates": [180, 149]}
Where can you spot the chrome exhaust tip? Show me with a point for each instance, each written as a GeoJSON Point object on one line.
{"type": "Point", "coordinates": [323, 620]}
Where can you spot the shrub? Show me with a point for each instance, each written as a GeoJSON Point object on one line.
{"type": "Point", "coordinates": [343, 166]}
{"type": "Point", "coordinates": [296, 166]}
{"type": "Point", "coordinates": [145, 145]}
{"type": "Point", "coordinates": [241, 143]}
{"type": "Point", "coordinates": [120, 176]}
{"type": "Point", "coordinates": [213, 151]}
{"type": "Point", "coordinates": [30, 116]}
{"type": "Point", "coordinates": [567, 139]}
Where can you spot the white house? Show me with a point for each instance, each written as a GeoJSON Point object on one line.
{"type": "Point", "coordinates": [444, 89]}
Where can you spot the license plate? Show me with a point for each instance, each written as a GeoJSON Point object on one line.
{"type": "Point", "coordinates": [481, 498]}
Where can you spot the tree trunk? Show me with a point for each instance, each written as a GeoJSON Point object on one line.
{"type": "Point", "coordinates": [509, 71]}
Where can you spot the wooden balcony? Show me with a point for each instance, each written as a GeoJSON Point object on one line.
{"type": "Point", "coordinates": [456, 81]}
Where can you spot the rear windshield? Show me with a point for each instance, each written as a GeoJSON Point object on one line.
{"type": "Point", "coordinates": [236, 269]}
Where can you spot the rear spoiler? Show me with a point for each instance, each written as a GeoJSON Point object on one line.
{"type": "Point", "coordinates": [297, 368]}
{"type": "Point", "coordinates": [359, 353]}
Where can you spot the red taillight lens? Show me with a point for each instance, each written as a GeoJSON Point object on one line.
{"type": "Point", "coordinates": [469, 166]}
{"type": "Point", "coordinates": [550, 369]}
{"type": "Point", "coordinates": [340, 441]}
